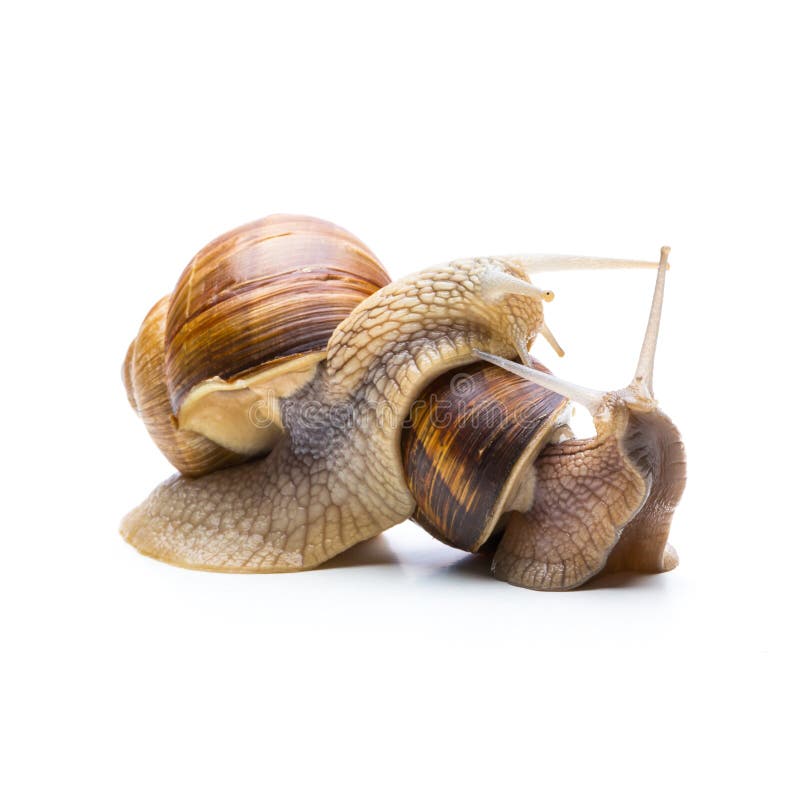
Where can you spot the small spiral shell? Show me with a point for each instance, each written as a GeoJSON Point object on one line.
{"type": "Point", "coordinates": [468, 449]}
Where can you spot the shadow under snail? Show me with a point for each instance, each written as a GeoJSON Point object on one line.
{"type": "Point", "coordinates": [342, 440]}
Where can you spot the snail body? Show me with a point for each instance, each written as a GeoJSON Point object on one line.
{"type": "Point", "coordinates": [333, 461]}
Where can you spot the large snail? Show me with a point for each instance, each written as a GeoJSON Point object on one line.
{"type": "Point", "coordinates": [336, 473]}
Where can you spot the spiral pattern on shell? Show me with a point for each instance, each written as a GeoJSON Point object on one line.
{"type": "Point", "coordinates": [262, 296]}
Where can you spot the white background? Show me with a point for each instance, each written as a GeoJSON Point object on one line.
{"type": "Point", "coordinates": [132, 135]}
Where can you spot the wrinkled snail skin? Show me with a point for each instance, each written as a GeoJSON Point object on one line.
{"type": "Point", "coordinates": [601, 504]}
{"type": "Point", "coordinates": [336, 477]}
{"type": "Point", "coordinates": [604, 503]}
{"type": "Point", "coordinates": [653, 444]}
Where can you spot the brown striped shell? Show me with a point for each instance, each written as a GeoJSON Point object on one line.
{"type": "Point", "coordinates": [468, 450]}
{"type": "Point", "coordinates": [143, 375]}
{"type": "Point", "coordinates": [247, 323]}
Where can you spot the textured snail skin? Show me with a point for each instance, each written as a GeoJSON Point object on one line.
{"type": "Point", "coordinates": [604, 503]}
{"type": "Point", "coordinates": [654, 445]}
{"type": "Point", "coordinates": [337, 478]}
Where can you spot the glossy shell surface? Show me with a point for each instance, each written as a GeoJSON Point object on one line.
{"type": "Point", "coordinates": [468, 449]}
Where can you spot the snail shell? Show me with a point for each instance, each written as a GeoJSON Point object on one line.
{"type": "Point", "coordinates": [143, 375]}
{"type": "Point", "coordinates": [468, 450]}
{"type": "Point", "coordinates": [247, 324]}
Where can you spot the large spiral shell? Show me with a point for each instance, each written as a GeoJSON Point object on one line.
{"type": "Point", "coordinates": [247, 323]}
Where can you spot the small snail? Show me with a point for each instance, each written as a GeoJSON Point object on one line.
{"type": "Point", "coordinates": [335, 474]}
{"type": "Point", "coordinates": [553, 510]}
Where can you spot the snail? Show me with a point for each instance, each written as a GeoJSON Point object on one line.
{"type": "Point", "coordinates": [334, 473]}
